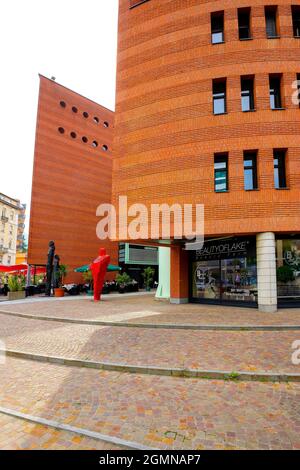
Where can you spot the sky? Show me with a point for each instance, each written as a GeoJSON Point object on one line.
{"type": "Point", "coordinates": [72, 40]}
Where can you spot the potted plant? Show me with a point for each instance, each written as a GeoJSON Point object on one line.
{"type": "Point", "coordinates": [123, 281]}
{"type": "Point", "coordinates": [16, 285]}
{"type": "Point", "coordinates": [62, 272]}
{"type": "Point", "coordinates": [88, 278]}
{"type": "Point", "coordinates": [148, 276]}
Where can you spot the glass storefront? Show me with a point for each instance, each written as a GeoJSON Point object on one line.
{"type": "Point", "coordinates": [225, 271]}
{"type": "Point", "coordinates": [288, 270]}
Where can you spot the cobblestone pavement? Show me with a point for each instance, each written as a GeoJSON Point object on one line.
{"type": "Point", "coordinates": [17, 434]}
{"type": "Point", "coordinates": [118, 308]}
{"type": "Point", "coordinates": [255, 351]}
{"type": "Point", "coordinates": [161, 412]}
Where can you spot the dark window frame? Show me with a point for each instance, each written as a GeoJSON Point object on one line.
{"type": "Point", "coordinates": [217, 29]}
{"type": "Point", "coordinates": [251, 157]}
{"type": "Point", "coordinates": [298, 87]}
{"type": "Point", "coordinates": [219, 159]}
{"type": "Point", "coordinates": [243, 13]}
{"type": "Point", "coordinates": [219, 95]}
{"type": "Point", "coordinates": [279, 161]}
{"type": "Point", "coordinates": [271, 19]}
{"type": "Point", "coordinates": [248, 92]}
{"type": "Point", "coordinates": [296, 20]}
{"type": "Point", "coordinates": [275, 91]}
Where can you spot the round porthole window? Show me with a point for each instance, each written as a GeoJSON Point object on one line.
{"type": "Point", "coordinates": [105, 148]}
{"type": "Point", "coordinates": [95, 144]}
{"type": "Point", "coordinates": [74, 109]}
{"type": "Point", "coordinates": [85, 114]}
{"type": "Point", "coordinates": [63, 104]}
{"type": "Point", "coordinates": [61, 130]}
{"type": "Point", "coordinates": [73, 135]}
{"type": "Point", "coordinates": [105, 124]}
{"type": "Point", "coordinates": [84, 139]}
{"type": "Point", "coordinates": [96, 120]}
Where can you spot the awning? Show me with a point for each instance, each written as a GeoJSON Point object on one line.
{"type": "Point", "coordinates": [86, 267]}
{"type": "Point", "coordinates": [21, 268]}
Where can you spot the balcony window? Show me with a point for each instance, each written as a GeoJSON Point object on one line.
{"type": "Point", "coordinates": [221, 172]}
{"type": "Point", "coordinates": [219, 96]}
{"type": "Point", "coordinates": [275, 92]}
{"type": "Point", "coordinates": [217, 27]}
{"type": "Point", "coordinates": [244, 15]}
{"type": "Point", "coordinates": [250, 170]}
{"type": "Point", "coordinates": [247, 93]}
{"type": "Point", "coordinates": [279, 168]}
{"type": "Point", "coordinates": [296, 20]}
{"type": "Point", "coordinates": [271, 22]}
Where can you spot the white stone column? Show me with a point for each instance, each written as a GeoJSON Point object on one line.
{"type": "Point", "coordinates": [266, 272]}
{"type": "Point", "coordinates": [163, 290]}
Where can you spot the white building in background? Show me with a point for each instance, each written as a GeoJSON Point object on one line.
{"type": "Point", "coordinates": [10, 209]}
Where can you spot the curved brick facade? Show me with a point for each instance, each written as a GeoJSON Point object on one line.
{"type": "Point", "coordinates": [166, 133]}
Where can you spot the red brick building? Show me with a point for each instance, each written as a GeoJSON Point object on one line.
{"type": "Point", "coordinates": [72, 175]}
{"type": "Point", "coordinates": [205, 114]}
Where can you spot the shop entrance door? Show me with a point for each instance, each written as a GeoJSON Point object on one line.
{"type": "Point", "coordinates": [207, 280]}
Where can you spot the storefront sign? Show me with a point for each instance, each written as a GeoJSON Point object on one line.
{"type": "Point", "coordinates": [224, 249]}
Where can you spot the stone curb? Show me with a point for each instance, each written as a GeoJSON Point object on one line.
{"type": "Point", "coordinates": [82, 431]}
{"type": "Point", "coordinates": [165, 326]}
{"type": "Point", "coordinates": [155, 370]}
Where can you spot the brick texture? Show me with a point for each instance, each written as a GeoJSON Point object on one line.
{"type": "Point", "coordinates": [70, 177]}
{"type": "Point", "coordinates": [165, 132]}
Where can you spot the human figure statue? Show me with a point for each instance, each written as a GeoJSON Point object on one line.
{"type": "Point", "coordinates": [56, 271]}
{"type": "Point", "coordinates": [98, 268]}
{"type": "Point", "coordinates": [49, 267]}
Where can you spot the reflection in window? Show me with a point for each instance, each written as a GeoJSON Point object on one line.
{"type": "Point", "coordinates": [271, 21]}
{"type": "Point", "coordinates": [296, 20]}
{"type": "Point", "coordinates": [250, 170]}
{"type": "Point", "coordinates": [221, 172]}
{"type": "Point", "coordinates": [219, 96]}
{"type": "Point", "coordinates": [279, 168]}
{"type": "Point", "coordinates": [275, 91]}
{"type": "Point", "coordinates": [247, 93]}
{"type": "Point", "coordinates": [217, 27]}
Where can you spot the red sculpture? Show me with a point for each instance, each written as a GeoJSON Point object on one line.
{"type": "Point", "coordinates": [98, 268]}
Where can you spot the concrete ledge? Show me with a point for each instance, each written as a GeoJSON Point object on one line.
{"type": "Point", "coordinates": [165, 326]}
{"type": "Point", "coordinates": [178, 301]}
{"type": "Point", "coordinates": [154, 370]}
{"type": "Point", "coordinates": [81, 431]}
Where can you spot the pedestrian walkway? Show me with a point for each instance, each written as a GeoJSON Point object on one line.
{"type": "Point", "coordinates": [138, 410]}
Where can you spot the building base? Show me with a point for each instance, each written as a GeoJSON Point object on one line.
{"type": "Point", "coordinates": [179, 301]}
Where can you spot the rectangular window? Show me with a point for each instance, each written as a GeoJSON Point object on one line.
{"type": "Point", "coordinates": [135, 3]}
{"type": "Point", "coordinates": [298, 85]}
{"type": "Point", "coordinates": [250, 170]}
{"type": "Point", "coordinates": [247, 93]}
{"type": "Point", "coordinates": [244, 15]}
{"type": "Point", "coordinates": [271, 21]}
{"type": "Point", "coordinates": [219, 96]}
{"type": "Point", "coordinates": [217, 27]}
{"type": "Point", "coordinates": [279, 168]}
{"type": "Point", "coordinates": [221, 172]}
{"type": "Point", "coordinates": [296, 20]}
{"type": "Point", "coordinates": [275, 91]}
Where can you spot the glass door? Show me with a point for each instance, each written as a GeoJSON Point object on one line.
{"type": "Point", "coordinates": [206, 280]}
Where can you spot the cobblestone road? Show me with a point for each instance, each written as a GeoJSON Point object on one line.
{"type": "Point", "coordinates": [190, 313]}
{"type": "Point", "coordinates": [254, 351]}
{"type": "Point", "coordinates": [159, 412]}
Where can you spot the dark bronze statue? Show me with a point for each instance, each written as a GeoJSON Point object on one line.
{"type": "Point", "coordinates": [56, 276]}
{"type": "Point", "coordinates": [49, 267]}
